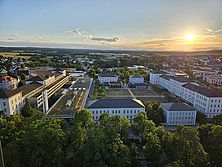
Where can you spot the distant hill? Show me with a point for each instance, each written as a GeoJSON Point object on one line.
{"type": "Point", "coordinates": [87, 51]}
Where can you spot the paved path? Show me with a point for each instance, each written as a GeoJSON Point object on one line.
{"type": "Point", "coordinates": [131, 93]}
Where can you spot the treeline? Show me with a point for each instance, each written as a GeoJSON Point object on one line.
{"type": "Point", "coordinates": [35, 141]}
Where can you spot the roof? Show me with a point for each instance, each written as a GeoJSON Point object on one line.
{"type": "Point", "coordinates": [136, 76]}
{"type": "Point", "coordinates": [180, 78]}
{"type": "Point", "coordinates": [29, 88]}
{"type": "Point", "coordinates": [107, 75]}
{"type": "Point", "coordinates": [157, 72]}
{"type": "Point", "coordinates": [167, 77]}
{"type": "Point", "coordinates": [38, 78]}
{"type": "Point", "coordinates": [177, 107]}
{"type": "Point", "coordinates": [204, 91]}
{"type": "Point", "coordinates": [5, 93]}
{"type": "Point", "coordinates": [117, 103]}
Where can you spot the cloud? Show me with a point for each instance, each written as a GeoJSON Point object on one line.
{"type": "Point", "coordinates": [212, 32]}
{"type": "Point", "coordinates": [98, 39]}
{"type": "Point", "coordinates": [75, 32]}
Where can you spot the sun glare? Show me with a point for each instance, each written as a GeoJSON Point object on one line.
{"type": "Point", "coordinates": [189, 37]}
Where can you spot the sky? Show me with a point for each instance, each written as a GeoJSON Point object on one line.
{"type": "Point", "coordinates": [168, 25]}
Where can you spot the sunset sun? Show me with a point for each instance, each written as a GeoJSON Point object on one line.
{"type": "Point", "coordinates": [189, 37]}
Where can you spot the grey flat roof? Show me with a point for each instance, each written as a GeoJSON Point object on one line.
{"type": "Point", "coordinates": [177, 107]}
{"type": "Point", "coordinates": [116, 103]}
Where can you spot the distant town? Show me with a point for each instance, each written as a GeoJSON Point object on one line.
{"type": "Point", "coordinates": [173, 88]}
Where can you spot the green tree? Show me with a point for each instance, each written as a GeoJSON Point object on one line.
{"type": "Point", "coordinates": [27, 110]}
{"type": "Point", "coordinates": [41, 143]}
{"type": "Point", "coordinates": [184, 145]}
{"type": "Point", "coordinates": [210, 136]}
{"type": "Point", "coordinates": [152, 148]}
{"type": "Point", "coordinates": [201, 118]}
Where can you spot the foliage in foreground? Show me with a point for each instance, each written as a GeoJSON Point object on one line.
{"type": "Point", "coordinates": [36, 141]}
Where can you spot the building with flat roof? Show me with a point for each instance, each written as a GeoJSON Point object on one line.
{"type": "Point", "coordinates": [128, 108]}
{"type": "Point", "coordinates": [12, 101]}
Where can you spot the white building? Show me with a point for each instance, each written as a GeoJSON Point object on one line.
{"type": "Point", "coordinates": [200, 73]}
{"type": "Point", "coordinates": [136, 79]}
{"type": "Point", "coordinates": [7, 82]}
{"type": "Point", "coordinates": [207, 101]}
{"type": "Point", "coordinates": [107, 78]}
{"type": "Point", "coordinates": [179, 114]}
{"type": "Point", "coordinates": [213, 79]}
{"type": "Point", "coordinates": [154, 77]}
{"type": "Point", "coordinates": [11, 101]}
{"type": "Point", "coordinates": [128, 108]}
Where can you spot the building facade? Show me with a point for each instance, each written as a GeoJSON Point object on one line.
{"type": "Point", "coordinates": [7, 82]}
{"type": "Point", "coordinates": [107, 78]}
{"type": "Point", "coordinates": [128, 108]}
{"type": "Point", "coordinates": [136, 79]}
{"type": "Point", "coordinates": [205, 100]}
{"type": "Point", "coordinates": [179, 114]}
{"type": "Point", "coordinates": [11, 101]}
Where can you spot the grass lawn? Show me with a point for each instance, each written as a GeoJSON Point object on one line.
{"type": "Point", "coordinates": [143, 92]}
{"type": "Point", "coordinates": [146, 100]}
{"type": "Point", "coordinates": [113, 92]}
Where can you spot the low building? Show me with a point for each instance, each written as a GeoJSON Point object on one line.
{"type": "Point", "coordinates": [8, 82]}
{"type": "Point", "coordinates": [136, 79]}
{"type": "Point", "coordinates": [106, 78]}
{"type": "Point", "coordinates": [128, 108]}
{"type": "Point", "coordinates": [179, 114]}
{"type": "Point", "coordinates": [11, 101]}
{"type": "Point", "coordinates": [213, 79]}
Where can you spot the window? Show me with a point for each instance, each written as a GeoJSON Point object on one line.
{"type": "Point", "coordinates": [4, 104]}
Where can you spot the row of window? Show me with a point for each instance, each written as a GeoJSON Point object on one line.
{"type": "Point", "coordinates": [181, 113]}
{"type": "Point", "coordinates": [116, 112]}
{"type": "Point", "coordinates": [128, 117]}
{"type": "Point", "coordinates": [180, 118]}
{"type": "Point", "coordinates": [181, 122]}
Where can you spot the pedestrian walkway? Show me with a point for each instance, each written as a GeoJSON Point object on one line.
{"type": "Point", "coordinates": [131, 93]}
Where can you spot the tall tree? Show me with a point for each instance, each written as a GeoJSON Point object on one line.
{"type": "Point", "coordinates": [184, 145]}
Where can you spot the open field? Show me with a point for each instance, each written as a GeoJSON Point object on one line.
{"type": "Point", "coordinates": [143, 92]}
{"type": "Point", "coordinates": [116, 92]}
{"type": "Point", "coordinates": [146, 100]}
{"type": "Point", "coordinates": [14, 55]}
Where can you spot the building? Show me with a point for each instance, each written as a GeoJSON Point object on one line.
{"type": "Point", "coordinates": [200, 73]}
{"type": "Point", "coordinates": [179, 114]}
{"type": "Point", "coordinates": [36, 91]}
{"type": "Point", "coordinates": [205, 100]}
{"type": "Point", "coordinates": [106, 78]}
{"type": "Point", "coordinates": [154, 77]}
{"type": "Point", "coordinates": [213, 79]}
{"type": "Point", "coordinates": [11, 101]}
{"type": "Point", "coordinates": [128, 108]}
{"type": "Point", "coordinates": [8, 82]}
{"type": "Point", "coordinates": [136, 79]}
